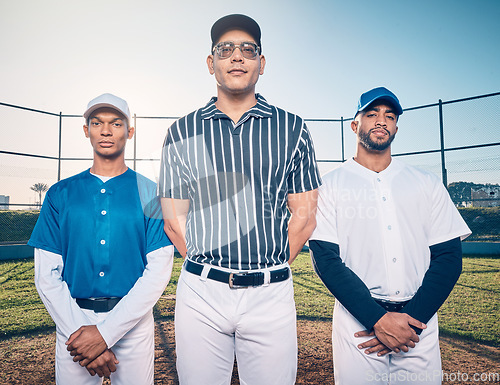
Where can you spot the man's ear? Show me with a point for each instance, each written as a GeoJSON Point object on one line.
{"type": "Point", "coordinates": [131, 131]}
{"type": "Point", "coordinates": [86, 130]}
{"type": "Point", "coordinates": [354, 126]}
{"type": "Point", "coordinates": [262, 64]}
{"type": "Point", "coordinates": [210, 64]}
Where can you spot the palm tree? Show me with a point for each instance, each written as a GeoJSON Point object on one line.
{"type": "Point", "coordinates": [39, 188]}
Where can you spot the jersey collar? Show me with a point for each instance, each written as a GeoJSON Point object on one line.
{"type": "Point", "coordinates": [261, 110]}
{"type": "Point", "coordinates": [394, 167]}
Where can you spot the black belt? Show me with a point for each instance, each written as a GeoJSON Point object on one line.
{"type": "Point", "coordinates": [236, 280]}
{"type": "Point", "coordinates": [391, 305]}
{"type": "Point", "coordinates": [99, 305]}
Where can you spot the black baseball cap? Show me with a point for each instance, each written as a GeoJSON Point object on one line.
{"type": "Point", "coordinates": [235, 21]}
{"type": "Point", "coordinates": [379, 94]}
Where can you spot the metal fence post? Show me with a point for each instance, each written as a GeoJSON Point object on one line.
{"type": "Point", "coordinates": [441, 134]}
{"type": "Point", "coordinates": [60, 146]}
{"type": "Point", "coordinates": [342, 137]}
{"type": "Point", "coordinates": [135, 141]}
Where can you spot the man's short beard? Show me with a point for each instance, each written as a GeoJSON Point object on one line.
{"type": "Point", "coordinates": [369, 144]}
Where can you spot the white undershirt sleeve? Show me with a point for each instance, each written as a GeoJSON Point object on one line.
{"type": "Point", "coordinates": [141, 298]}
{"type": "Point", "coordinates": [54, 293]}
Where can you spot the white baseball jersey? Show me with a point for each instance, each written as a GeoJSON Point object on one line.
{"type": "Point", "coordinates": [385, 222]}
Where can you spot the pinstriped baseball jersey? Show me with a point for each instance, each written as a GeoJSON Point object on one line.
{"type": "Point", "coordinates": [237, 178]}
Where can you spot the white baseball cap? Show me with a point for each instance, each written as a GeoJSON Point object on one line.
{"type": "Point", "coordinates": [108, 100]}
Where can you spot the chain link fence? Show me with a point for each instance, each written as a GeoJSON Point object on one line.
{"type": "Point", "coordinates": [459, 140]}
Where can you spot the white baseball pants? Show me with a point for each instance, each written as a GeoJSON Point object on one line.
{"type": "Point", "coordinates": [351, 366]}
{"type": "Point", "coordinates": [213, 323]}
{"type": "Point", "coordinates": [135, 351]}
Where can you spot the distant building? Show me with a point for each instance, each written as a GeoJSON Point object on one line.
{"type": "Point", "coordinates": [488, 196]}
{"type": "Point", "coordinates": [4, 202]}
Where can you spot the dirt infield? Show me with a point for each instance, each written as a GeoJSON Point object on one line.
{"type": "Point", "coordinates": [30, 360]}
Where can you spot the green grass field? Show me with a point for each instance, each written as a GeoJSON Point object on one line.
{"type": "Point", "coordinates": [470, 312]}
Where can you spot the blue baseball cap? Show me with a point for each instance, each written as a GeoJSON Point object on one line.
{"type": "Point", "coordinates": [379, 94]}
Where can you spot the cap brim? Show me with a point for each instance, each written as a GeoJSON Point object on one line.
{"type": "Point", "coordinates": [236, 21]}
{"type": "Point", "coordinates": [95, 107]}
{"type": "Point", "coordinates": [387, 98]}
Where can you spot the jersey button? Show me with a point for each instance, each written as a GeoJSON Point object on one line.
{"type": "Point", "coordinates": [103, 212]}
{"type": "Point", "coordinates": [103, 242]}
{"type": "Point", "coordinates": [389, 227]}
{"type": "Point", "coordinates": [397, 292]}
{"type": "Point", "coordinates": [384, 199]}
{"type": "Point", "coordinates": [101, 274]}
{"type": "Point", "coordinates": [103, 190]}
{"type": "Point", "coordinates": [394, 260]}
{"type": "Point", "coordinates": [378, 179]}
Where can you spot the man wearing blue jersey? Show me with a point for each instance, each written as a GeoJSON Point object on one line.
{"type": "Point", "coordinates": [102, 259]}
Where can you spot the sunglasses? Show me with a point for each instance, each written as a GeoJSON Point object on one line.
{"type": "Point", "coordinates": [225, 49]}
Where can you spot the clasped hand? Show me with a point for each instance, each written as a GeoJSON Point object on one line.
{"type": "Point", "coordinates": [392, 332]}
{"type": "Point", "coordinates": [89, 349]}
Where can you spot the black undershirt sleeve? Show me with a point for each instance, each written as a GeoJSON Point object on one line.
{"type": "Point", "coordinates": [344, 284]}
{"type": "Point", "coordinates": [438, 282]}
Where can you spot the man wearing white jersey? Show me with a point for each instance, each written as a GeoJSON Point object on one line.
{"type": "Point", "coordinates": [388, 246]}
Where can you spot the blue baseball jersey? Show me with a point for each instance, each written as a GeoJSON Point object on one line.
{"type": "Point", "coordinates": [102, 230]}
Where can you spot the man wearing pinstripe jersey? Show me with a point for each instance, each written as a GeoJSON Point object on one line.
{"type": "Point", "coordinates": [238, 183]}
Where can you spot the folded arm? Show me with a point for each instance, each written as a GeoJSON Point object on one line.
{"type": "Point", "coordinates": [392, 330]}
{"type": "Point", "coordinates": [344, 284]}
{"type": "Point", "coordinates": [444, 270]}
{"type": "Point", "coordinates": [63, 309]}
{"type": "Point", "coordinates": [302, 222]}
{"type": "Point", "coordinates": [175, 213]}
{"type": "Point", "coordinates": [88, 342]}
{"type": "Point", "coordinates": [55, 294]}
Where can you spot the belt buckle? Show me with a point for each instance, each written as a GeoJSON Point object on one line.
{"type": "Point", "coordinates": [231, 281]}
{"type": "Point", "coordinates": [255, 275]}
{"type": "Point", "coordinates": [392, 306]}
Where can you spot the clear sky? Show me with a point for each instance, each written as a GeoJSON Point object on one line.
{"type": "Point", "coordinates": [321, 55]}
